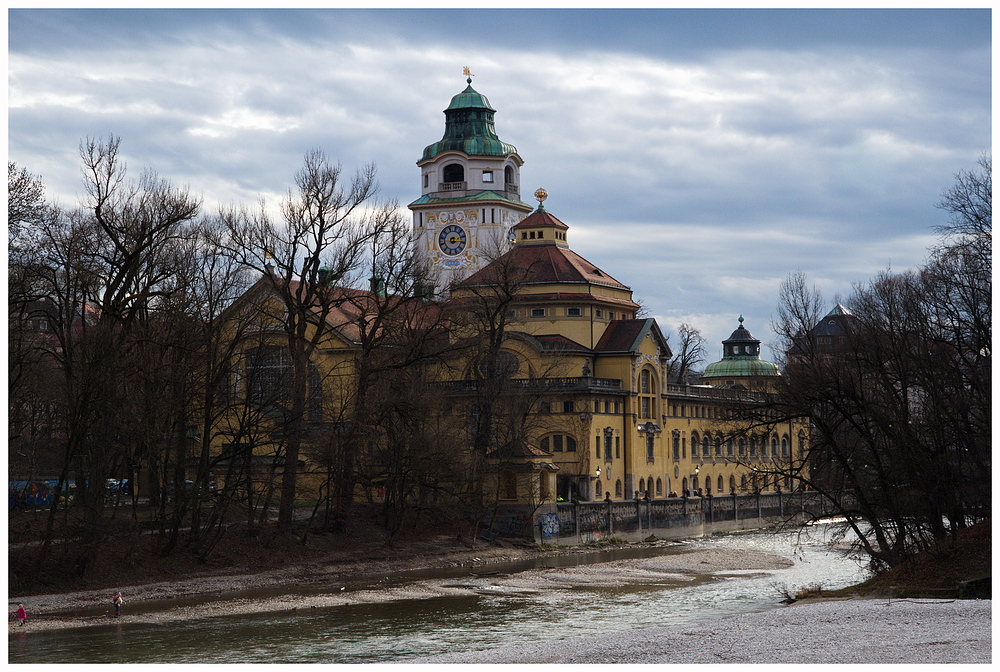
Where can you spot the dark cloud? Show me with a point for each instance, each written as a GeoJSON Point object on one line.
{"type": "Point", "coordinates": [699, 156]}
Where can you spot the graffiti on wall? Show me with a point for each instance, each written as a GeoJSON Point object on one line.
{"type": "Point", "coordinates": [548, 523]}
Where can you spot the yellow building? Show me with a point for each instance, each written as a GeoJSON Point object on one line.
{"type": "Point", "coordinates": [610, 421]}
{"type": "Point", "coordinates": [598, 419]}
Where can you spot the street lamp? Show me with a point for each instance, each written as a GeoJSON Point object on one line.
{"type": "Point", "coordinates": [697, 470]}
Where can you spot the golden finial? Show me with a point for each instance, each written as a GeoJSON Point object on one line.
{"type": "Point", "coordinates": [468, 74]}
{"type": "Point", "coordinates": [540, 196]}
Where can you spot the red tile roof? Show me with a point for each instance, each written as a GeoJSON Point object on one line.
{"type": "Point", "coordinates": [544, 265]}
{"type": "Point", "coordinates": [537, 219]}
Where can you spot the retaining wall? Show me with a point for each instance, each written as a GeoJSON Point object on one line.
{"type": "Point", "coordinates": [634, 520]}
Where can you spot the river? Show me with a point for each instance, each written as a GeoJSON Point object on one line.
{"type": "Point", "coordinates": [398, 630]}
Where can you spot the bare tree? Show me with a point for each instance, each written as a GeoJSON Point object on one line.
{"type": "Point", "coordinates": [99, 272]}
{"type": "Point", "coordinates": [323, 236]}
{"type": "Point", "coordinates": [899, 403]}
{"type": "Point", "coordinates": [691, 353]}
{"type": "Point", "coordinates": [969, 202]}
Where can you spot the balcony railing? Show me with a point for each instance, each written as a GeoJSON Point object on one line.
{"type": "Point", "coordinates": [713, 393]}
{"type": "Point", "coordinates": [577, 383]}
{"type": "Point", "coordinates": [452, 189]}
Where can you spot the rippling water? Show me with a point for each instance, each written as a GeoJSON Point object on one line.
{"type": "Point", "coordinates": [410, 628]}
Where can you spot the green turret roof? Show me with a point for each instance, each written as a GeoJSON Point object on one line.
{"type": "Point", "coordinates": [468, 128]}
{"type": "Point", "coordinates": [740, 367]}
{"type": "Point", "coordinates": [486, 195]}
{"type": "Point", "coordinates": [741, 358]}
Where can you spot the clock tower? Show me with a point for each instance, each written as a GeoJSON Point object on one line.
{"type": "Point", "coordinates": [470, 193]}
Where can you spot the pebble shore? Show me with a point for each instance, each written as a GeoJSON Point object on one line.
{"type": "Point", "coordinates": [825, 631]}
{"type": "Point", "coordinates": [856, 631]}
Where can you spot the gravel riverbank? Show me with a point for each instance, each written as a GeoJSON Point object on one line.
{"type": "Point", "coordinates": [827, 631]}
{"type": "Point", "coordinates": [869, 631]}
{"type": "Point", "coordinates": [319, 585]}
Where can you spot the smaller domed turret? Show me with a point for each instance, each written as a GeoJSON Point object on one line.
{"type": "Point", "coordinates": [740, 362]}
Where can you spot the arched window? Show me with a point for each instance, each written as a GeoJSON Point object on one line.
{"type": "Point", "coordinates": [597, 489]}
{"type": "Point", "coordinates": [784, 446]}
{"type": "Point", "coordinates": [269, 374]}
{"type": "Point", "coordinates": [454, 172]}
{"type": "Point", "coordinates": [732, 484]}
{"type": "Point", "coordinates": [729, 447]}
{"type": "Point", "coordinates": [753, 446]}
{"type": "Point", "coordinates": [618, 488]}
{"type": "Point", "coordinates": [642, 485]}
{"type": "Point", "coordinates": [677, 444]}
{"type": "Point", "coordinates": [649, 486]}
{"type": "Point", "coordinates": [647, 391]}
{"type": "Point", "coordinates": [508, 484]}
{"type": "Point", "coordinates": [694, 482]}
{"type": "Point", "coordinates": [508, 177]}
{"type": "Point", "coordinates": [721, 487]}
{"type": "Point", "coordinates": [659, 487]}
{"type": "Point", "coordinates": [718, 445]}
{"type": "Point", "coordinates": [708, 484]}
{"type": "Point", "coordinates": [705, 450]}
{"type": "Point", "coordinates": [743, 483]}
{"type": "Point", "coordinates": [742, 447]}
{"type": "Point", "coordinates": [774, 447]}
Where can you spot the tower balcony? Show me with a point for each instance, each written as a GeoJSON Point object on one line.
{"type": "Point", "coordinates": [462, 190]}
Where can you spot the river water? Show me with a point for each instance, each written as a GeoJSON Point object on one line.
{"type": "Point", "coordinates": [398, 630]}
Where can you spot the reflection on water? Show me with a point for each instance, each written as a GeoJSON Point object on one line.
{"type": "Point", "coordinates": [411, 628]}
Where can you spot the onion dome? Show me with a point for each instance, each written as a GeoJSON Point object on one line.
{"type": "Point", "coordinates": [468, 128]}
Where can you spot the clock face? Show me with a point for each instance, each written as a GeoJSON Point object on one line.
{"type": "Point", "coordinates": [452, 240]}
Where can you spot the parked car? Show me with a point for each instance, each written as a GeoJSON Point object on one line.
{"type": "Point", "coordinates": [118, 485]}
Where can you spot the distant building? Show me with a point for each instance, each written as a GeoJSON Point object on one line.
{"type": "Point", "coordinates": [831, 335]}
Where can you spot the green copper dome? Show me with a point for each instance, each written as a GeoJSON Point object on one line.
{"type": "Point", "coordinates": [741, 358]}
{"type": "Point", "coordinates": [468, 99]}
{"type": "Point", "coordinates": [468, 128]}
{"type": "Point", "coordinates": [740, 367]}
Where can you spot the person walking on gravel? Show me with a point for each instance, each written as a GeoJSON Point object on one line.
{"type": "Point", "coordinates": [21, 614]}
{"type": "Point", "coordinates": [117, 601]}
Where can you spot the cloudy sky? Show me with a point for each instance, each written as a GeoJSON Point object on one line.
{"type": "Point", "coordinates": [699, 156]}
